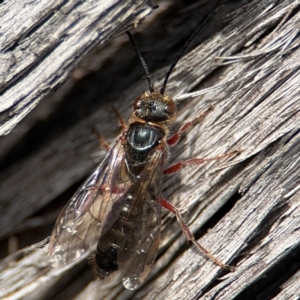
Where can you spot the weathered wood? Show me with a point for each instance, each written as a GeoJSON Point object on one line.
{"type": "Point", "coordinates": [254, 110]}
{"type": "Point", "coordinates": [40, 43]}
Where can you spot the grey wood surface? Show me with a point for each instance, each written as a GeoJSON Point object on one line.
{"type": "Point", "coordinates": [245, 209]}
{"type": "Point", "coordinates": [42, 41]}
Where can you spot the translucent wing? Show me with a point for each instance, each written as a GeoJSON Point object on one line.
{"type": "Point", "coordinates": [130, 244]}
{"type": "Point", "coordinates": [79, 225]}
{"type": "Point", "coordinates": [143, 230]}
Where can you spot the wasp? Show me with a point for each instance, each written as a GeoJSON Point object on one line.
{"type": "Point", "coordinates": [117, 210]}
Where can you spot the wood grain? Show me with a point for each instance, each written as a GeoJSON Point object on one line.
{"type": "Point", "coordinates": [245, 208]}
{"type": "Point", "coordinates": [42, 42]}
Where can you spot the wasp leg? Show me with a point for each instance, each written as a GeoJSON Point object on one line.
{"type": "Point", "coordinates": [190, 237]}
{"type": "Point", "coordinates": [173, 140]}
{"type": "Point", "coordinates": [122, 123]}
{"type": "Point", "coordinates": [194, 162]}
{"type": "Point", "coordinates": [102, 141]}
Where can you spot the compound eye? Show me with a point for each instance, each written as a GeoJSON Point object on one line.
{"type": "Point", "coordinates": [137, 103]}
{"type": "Point", "coordinates": [171, 108]}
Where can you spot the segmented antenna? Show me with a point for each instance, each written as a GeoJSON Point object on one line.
{"type": "Point", "coordinates": [151, 87]}
{"type": "Point", "coordinates": [162, 90]}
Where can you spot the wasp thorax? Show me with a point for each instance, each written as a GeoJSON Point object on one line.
{"type": "Point", "coordinates": [154, 107]}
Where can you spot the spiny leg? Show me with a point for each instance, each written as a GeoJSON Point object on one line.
{"type": "Point", "coordinates": [190, 237]}
{"type": "Point", "coordinates": [195, 161]}
{"type": "Point", "coordinates": [102, 141]}
{"type": "Point", "coordinates": [122, 123]}
{"type": "Point", "coordinates": [173, 140]}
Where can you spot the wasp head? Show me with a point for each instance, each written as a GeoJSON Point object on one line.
{"type": "Point", "coordinates": [154, 107]}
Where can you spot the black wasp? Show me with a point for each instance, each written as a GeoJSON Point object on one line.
{"type": "Point", "coordinates": [118, 208]}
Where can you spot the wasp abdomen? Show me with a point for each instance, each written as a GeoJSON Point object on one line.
{"type": "Point", "coordinates": [106, 262]}
{"type": "Point", "coordinates": [115, 241]}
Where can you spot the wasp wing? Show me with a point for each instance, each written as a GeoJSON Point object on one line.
{"type": "Point", "coordinates": [143, 233]}
{"type": "Point", "coordinates": [79, 225]}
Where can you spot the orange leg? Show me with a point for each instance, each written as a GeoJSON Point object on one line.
{"type": "Point", "coordinates": [102, 141]}
{"type": "Point", "coordinates": [173, 140]}
{"type": "Point", "coordinates": [122, 123]}
{"type": "Point", "coordinates": [190, 237]}
{"type": "Point", "coordinates": [194, 162]}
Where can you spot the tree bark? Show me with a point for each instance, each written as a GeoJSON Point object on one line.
{"type": "Point", "coordinates": [242, 69]}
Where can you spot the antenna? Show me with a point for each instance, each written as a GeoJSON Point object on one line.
{"type": "Point", "coordinates": [150, 84]}
{"type": "Point", "coordinates": [162, 90]}
{"type": "Point", "coordinates": [151, 87]}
